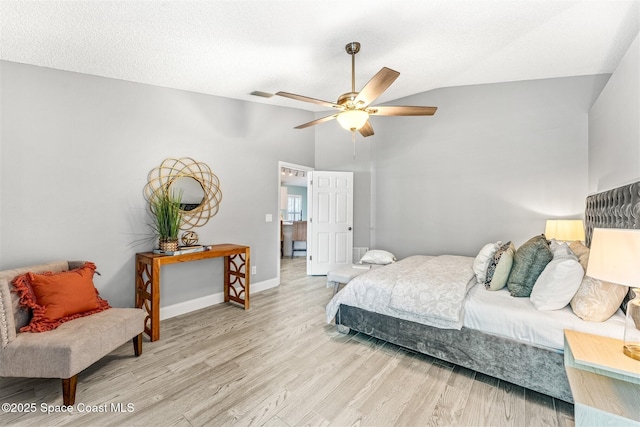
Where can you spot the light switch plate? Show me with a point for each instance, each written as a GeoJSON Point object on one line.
{"type": "Point", "coordinates": [268, 218]}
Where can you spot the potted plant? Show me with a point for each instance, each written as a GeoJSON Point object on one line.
{"type": "Point", "coordinates": [167, 218]}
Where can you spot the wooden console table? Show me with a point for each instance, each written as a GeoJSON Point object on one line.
{"type": "Point", "coordinates": [237, 273]}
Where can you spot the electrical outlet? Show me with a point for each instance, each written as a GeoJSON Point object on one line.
{"type": "Point", "coordinates": [253, 269]}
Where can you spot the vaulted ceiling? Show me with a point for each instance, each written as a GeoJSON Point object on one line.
{"type": "Point", "coordinates": [232, 48]}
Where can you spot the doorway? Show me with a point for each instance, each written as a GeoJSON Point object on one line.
{"type": "Point", "coordinates": [292, 208]}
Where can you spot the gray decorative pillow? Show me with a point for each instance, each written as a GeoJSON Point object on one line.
{"type": "Point", "coordinates": [528, 263]}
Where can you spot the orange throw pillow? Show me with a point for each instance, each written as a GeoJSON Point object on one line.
{"type": "Point", "coordinates": [59, 297]}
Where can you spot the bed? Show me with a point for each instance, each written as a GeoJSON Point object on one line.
{"type": "Point", "coordinates": [516, 343]}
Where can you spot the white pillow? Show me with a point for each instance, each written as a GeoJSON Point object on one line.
{"type": "Point", "coordinates": [483, 259]}
{"type": "Point", "coordinates": [559, 281]}
{"type": "Point", "coordinates": [377, 257]}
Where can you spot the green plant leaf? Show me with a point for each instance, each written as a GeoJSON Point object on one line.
{"type": "Point", "coordinates": [166, 213]}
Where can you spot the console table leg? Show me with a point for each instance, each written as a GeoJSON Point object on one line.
{"type": "Point", "coordinates": [155, 300]}
{"type": "Point", "coordinates": [237, 270]}
{"type": "Point", "coordinates": [247, 278]}
{"type": "Point", "coordinates": [227, 278]}
{"type": "Point", "coordinates": [148, 295]}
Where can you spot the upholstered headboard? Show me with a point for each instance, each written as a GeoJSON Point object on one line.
{"type": "Point", "coordinates": [617, 208]}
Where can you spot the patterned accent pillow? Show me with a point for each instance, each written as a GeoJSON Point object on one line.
{"type": "Point", "coordinates": [493, 263]}
{"type": "Point", "coordinates": [582, 252]}
{"type": "Point", "coordinates": [500, 273]}
{"type": "Point", "coordinates": [528, 263]}
{"type": "Point", "coordinates": [597, 300]}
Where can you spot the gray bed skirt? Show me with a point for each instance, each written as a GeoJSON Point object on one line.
{"type": "Point", "coordinates": [535, 368]}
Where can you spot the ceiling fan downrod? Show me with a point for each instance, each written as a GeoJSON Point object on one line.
{"type": "Point", "coordinates": [353, 48]}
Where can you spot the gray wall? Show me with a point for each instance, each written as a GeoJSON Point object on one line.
{"type": "Point", "coordinates": [75, 153]}
{"type": "Point", "coordinates": [492, 164]}
{"type": "Point", "coordinates": [614, 127]}
{"type": "Point", "coordinates": [334, 151]}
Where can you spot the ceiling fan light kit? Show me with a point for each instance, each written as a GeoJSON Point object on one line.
{"type": "Point", "coordinates": [353, 119]}
{"type": "Point", "coordinates": [355, 106]}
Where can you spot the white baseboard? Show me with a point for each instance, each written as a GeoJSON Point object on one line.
{"type": "Point", "coordinates": [203, 302]}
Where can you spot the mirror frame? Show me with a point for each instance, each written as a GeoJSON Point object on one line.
{"type": "Point", "coordinates": [161, 178]}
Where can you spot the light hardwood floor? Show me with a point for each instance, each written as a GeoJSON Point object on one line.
{"type": "Point", "coordinates": [279, 364]}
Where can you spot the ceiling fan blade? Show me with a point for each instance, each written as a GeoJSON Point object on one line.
{"type": "Point", "coordinates": [307, 99]}
{"type": "Point", "coordinates": [397, 110]}
{"type": "Point", "coordinates": [317, 121]}
{"type": "Point", "coordinates": [374, 87]}
{"type": "Point", "coordinates": [366, 130]}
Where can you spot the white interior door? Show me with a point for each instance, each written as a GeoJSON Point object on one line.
{"type": "Point", "coordinates": [330, 225]}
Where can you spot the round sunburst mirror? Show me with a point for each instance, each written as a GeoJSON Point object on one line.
{"type": "Point", "coordinates": [199, 187]}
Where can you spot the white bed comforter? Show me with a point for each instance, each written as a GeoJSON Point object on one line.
{"type": "Point", "coordinates": [422, 289]}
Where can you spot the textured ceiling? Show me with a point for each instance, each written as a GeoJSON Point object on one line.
{"type": "Point", "coordinates": [231, 48]}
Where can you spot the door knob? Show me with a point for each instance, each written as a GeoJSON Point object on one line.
{"type": "Point", "coordinates": [349, 228]}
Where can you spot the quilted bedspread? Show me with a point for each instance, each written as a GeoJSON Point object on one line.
{"type": "Point", "coordinates": [422, 289]}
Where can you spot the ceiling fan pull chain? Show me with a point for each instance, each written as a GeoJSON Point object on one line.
{"type": "Point", "coordinates": [353, 140]}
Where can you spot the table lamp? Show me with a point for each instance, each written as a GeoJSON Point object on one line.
{"type": "Point", "coordinates": [565, 230]}
{"type": "Point", "coordinates": [615, 257]}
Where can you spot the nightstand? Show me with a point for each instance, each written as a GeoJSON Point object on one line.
{"type": "Point", "coordinates": [604, 382]}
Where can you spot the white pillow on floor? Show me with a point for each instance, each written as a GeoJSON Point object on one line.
{"type": "Point", "coordinates": [377, 256]}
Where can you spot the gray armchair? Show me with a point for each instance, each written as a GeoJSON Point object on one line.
{"type": "Point", "coordinates": [67, 350]}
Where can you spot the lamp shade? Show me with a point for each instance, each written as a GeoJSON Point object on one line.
{"type": "Point", "coordinates": [353, 119]}
{"type": "Point", "coordinates": [615, 256]}
{"type": "Point", "coordinates": [566, 230]}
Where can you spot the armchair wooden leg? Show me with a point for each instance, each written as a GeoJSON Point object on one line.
{"type": "Point", "coordinates": [69, 390]}
{"type": "Point", "coordinates": [137, 345]}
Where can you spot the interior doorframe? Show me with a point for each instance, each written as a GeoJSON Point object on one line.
{"type": "Point", "coordinates": [287, 165]}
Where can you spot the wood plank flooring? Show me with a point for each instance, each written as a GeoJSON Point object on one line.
{"type": "Point", "coordinates": [279, 364]}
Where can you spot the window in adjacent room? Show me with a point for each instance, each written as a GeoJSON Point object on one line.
{"type": "Point", "coordinates": [294, 207]}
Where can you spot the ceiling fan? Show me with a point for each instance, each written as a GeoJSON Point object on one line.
{"type": "Point", "coordinates": [355, 107]}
